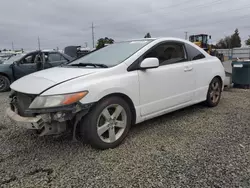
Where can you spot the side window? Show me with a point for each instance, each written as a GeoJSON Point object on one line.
{"type": "Point", "coordinates": [193, 53]}
{"type": "Point", "coordinates": [54, 57]}
{"type": "Point", "coordinates": [168, 53]}
{"type": "Point", "coordinates": [63, 58]}
{"type": "Point", "coordinates": [38, 58]}
{"type": "Point", "coordinates": [46, 57]}
{"type": "Point", "coordinates": [28, 59]}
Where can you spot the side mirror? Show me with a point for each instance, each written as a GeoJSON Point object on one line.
{"type": "Point", "coordinates": [149, 63]}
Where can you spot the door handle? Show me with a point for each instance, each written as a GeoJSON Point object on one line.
{"type": "Point", "coordinates": [186, 69]}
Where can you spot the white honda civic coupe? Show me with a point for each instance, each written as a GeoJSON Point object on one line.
{"type": "Point", "coordinates": [103, 93]}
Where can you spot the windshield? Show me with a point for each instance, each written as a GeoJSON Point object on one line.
{"type": "Point", "coordinates": [112, 55]}
{"type": "Point", "coordinates": [13, 58]}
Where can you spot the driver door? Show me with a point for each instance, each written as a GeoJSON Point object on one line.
{"type": "Point", "coordinates": [25, 66]}
{"type": "Point", "coordinates": [169, 86]}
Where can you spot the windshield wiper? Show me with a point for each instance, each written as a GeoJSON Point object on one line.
{"type": "Point", "coordinates": [90, 64]}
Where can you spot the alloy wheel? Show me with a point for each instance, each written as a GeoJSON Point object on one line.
{"type": "Point", "coordinates": [215, 91]}
{"type": "Point", "coordinates": [111, 123]}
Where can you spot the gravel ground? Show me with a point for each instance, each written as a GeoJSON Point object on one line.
{"type": "Point", "coordinates": [193, 147]}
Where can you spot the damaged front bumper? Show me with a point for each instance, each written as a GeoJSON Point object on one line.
{"type": "Point", "coordinates": [26, 122]}
{"type": "Point", "coordinates": [41, 123]}
{"type": "Point", "coordinates": [49, 121]}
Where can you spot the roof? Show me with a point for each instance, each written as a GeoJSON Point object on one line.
{"type": "Point", "coordinates": [44, 50]}
{"type": "Point", "coordinates": [138, 39]}
{"type": "Point", "coordinates": [48, 50]}
{"type": "Point", "coordinates": [198, 34]}
{"type": "Point", "coordinates": [158, 38]}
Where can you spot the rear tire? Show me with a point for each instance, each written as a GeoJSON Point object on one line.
{"type": "Point", "coordinates": [4, 83]}
{"type": "Point", "coordinates": [107, 123]}
{"type": "Point", "coordinates": [214, 92]}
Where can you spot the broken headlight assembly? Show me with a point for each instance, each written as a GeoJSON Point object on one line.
{"type": "Point", "coordinates": [57, 100]}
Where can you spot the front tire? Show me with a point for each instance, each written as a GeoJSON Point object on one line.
{"type": "Point", "coordinates": [214, 92]}
{"type": "Point", "coordinates": [107, 124]}
{"type": "Point", "coordinates": [4, 83]}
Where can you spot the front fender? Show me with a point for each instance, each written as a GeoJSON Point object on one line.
{"type": "Point", "coordinates": [112, 91]}
{"type": "Point", "coordinates": [101, 90]}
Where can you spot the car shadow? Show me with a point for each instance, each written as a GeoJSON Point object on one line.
{"type": "Point", "coordinates": [136, 128]}
{"type": "Point", "coordinates": [151, 123]}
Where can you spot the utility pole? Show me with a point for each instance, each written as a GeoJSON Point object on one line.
{"type": "Point", "coordinates": [86, 44]}
{"type": "Point", "coordinates": [93, 35]}
{"type": "Point", "coordinates": [38, 43]}
{"type": "Point", "coordinates": [186, 36]}
{"type": "Point", "coordinates": [12, 46]}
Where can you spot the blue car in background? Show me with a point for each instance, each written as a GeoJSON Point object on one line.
{"type": "Point", "coordinates": [4, 57]}
{"type": "Point", "coordinates": [26, 63]}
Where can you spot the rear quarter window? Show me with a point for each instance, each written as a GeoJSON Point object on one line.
{"type": "Point", "coordinates": [193, 53]}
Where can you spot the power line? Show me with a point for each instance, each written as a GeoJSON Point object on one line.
{"type": "Point", "coordinates": [200, 6]}
{"type": "Point", "coordinates": [140, 14]}
{"type": "Point", "coordinates": [186, 35]}
{"type": "Point", "coordinates": [93, 35]}
{"type": "Point", "coordinates": [213, 23]}
{"type": "Point", "coordinates": [208, 4]}
{"type": "Point", "coordinates": [161, 9]}
{"type": "Point", "coordinates": [38, 40]}
{"type": "Point", "coordinates": [188, 26]}
{"type": "Point", "coordinates": [218, 12]}
{"type": "Point", "coordinates": [201, 24]}
{"type": "Point", "coordinates": [158, 9]}
{"type": "Point", "coordinates": [118, 37]}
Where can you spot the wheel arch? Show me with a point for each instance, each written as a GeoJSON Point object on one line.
{"type": "Point", "coordinates": [127, 99]}
{"type": "Point", "coordinates": [6, 75]}
{"type": "Point", "coordinates": [219, 77]}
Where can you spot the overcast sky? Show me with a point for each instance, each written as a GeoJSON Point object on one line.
{"type": "Point", "coordinates": [68, 22]}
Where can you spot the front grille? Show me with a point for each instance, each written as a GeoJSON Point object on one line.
{"type": "Point", "coordinates": [20, 103]}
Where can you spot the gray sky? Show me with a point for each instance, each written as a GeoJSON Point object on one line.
{"type": "Point", "coordinates": [67, 22]}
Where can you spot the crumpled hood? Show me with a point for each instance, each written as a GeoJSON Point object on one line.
{"type": "Point", "coordinates": [37, 82]}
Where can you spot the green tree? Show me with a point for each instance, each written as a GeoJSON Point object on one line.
{"type": "Point", "coordinates": [232, 41]}
{"type": "Point", "coordinates": [147, 35]}
{"type": "Point", "coordinates": [224, 43]}
{"type": "Point", "coordinates": [235, 39]}
{"type": "Point", "coordinates": [247, 42]}
{"type": "Point", "coordinates": [103, 41]}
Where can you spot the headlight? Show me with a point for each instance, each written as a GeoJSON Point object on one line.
{"type": "Point", "coordinates": [57, 100]}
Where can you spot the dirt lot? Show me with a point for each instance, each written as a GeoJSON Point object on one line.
{"type": "Point", "coordinates": [193, 147]}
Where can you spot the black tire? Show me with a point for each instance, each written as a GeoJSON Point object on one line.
{"type": "Point", "coordinates": [89, 124]}
{"type": "Point", "coordinates": [4, 83]}
{"type": "Point", "coordinates": [214, 93]}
